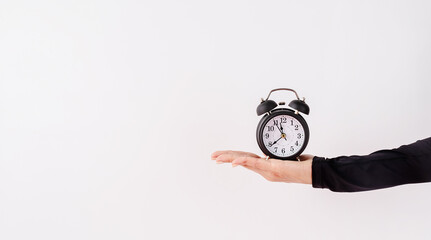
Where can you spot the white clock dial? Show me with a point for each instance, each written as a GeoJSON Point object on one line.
{"type": "Point", "coordinates": [283, 135]}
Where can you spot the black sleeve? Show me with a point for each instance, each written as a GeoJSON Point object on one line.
{"type": "Point", "coordinates": [382, 169]}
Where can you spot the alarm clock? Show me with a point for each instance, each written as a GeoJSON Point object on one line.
{"type": "Point", "coordinates": [282, 133]}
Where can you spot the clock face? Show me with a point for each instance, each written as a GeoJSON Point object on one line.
{"type": "Point", "coordinates": [283, 136]}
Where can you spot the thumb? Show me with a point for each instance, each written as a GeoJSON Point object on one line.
{"type": "Point", "coordinates": [253, 163]}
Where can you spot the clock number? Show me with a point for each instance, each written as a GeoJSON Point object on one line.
{"type": "Point", "coordinates": [291, 148]}
{"type": "Point", "coordinates": [270, 143]}
{"type": "Point", "coordinates": [291, 122]}
{"type": "Point", "coordinates": [296, 143]}
{"type": "Point", "coordinates": [275, 122]}
{"type": "Point", "coordinates": [283, 150]}
{"type": "Point", "coordinates": [270, 128]}
{"type": "Point", "coordinates": [275, 148]}
{"type": "Point", "coordinates": [299, 136]}
{"type": "Point", "coordinates": [266, 135]}
{"type": "Point", "coordinates": [283, 120]}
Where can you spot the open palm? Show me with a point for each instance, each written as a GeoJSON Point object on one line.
{"type": "Point", "coordinates": [272, 169]}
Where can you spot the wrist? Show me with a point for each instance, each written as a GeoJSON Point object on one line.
{"type": "Point", "coordinates": [297, 172]}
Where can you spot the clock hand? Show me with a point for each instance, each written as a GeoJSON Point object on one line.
{"type": "Point", "coordinates": [283, 135]}
{"type": "Point", "coordinates": [278, 127]}
{"type": "Point", "coordinates": [276, 141]}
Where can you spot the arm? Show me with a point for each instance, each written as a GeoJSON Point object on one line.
{"type": "Point", "coordinates": [382, 169]}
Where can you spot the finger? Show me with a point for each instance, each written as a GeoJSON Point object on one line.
{"type": "Point", "coordinates": [215, 154]}
{"type": "Point", "coordinates": [248, 154]}
{"type": "Point", "coordinates": [225, 158]}
{"type": "Point", "coordinates": [237, 153]}
{"type": "Point", "coordinates": [268, 175]}
{"type": "Point", "coordinates": [228, 157]}
{"type": "Point", "coordinates": [256, 170]}
{"type": "Point", "coordinates": [231, 154]}
{"type": "Point", "coordinates": [254, 163]}
{"type": "Point", "coordinates": [265, 174]}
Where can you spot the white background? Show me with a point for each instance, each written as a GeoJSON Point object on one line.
{"type": "Point", "coordinates": [109, 111]}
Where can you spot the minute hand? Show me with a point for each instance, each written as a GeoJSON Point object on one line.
{"type": "Point", "coordinates": [278, 127]}
{"type": "Point", "coordinates": [283, 135]}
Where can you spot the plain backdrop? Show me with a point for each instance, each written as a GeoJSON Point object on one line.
{"type": "Point", "coordinates": [109, 111]}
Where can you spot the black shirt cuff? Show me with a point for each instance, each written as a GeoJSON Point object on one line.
{"type": "Point", "coordinates": [317, 172]}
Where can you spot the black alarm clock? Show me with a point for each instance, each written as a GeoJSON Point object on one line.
{"type": "Point", "coordinates": [282, 133]}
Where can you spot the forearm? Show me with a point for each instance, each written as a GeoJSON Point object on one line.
{"type": "Point", "coordinates": [381, 169]}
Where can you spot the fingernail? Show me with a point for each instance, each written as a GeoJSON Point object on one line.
{"type": "Point", "coordinates": [219, 162]}
{"type": "Point", "coordinates": [234, 165]}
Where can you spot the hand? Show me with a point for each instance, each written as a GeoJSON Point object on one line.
{"type": "Point", "coordinates": [272, 169]}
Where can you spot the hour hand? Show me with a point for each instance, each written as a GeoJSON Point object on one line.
{"type": "Point", "coordinates": [276, 141]}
